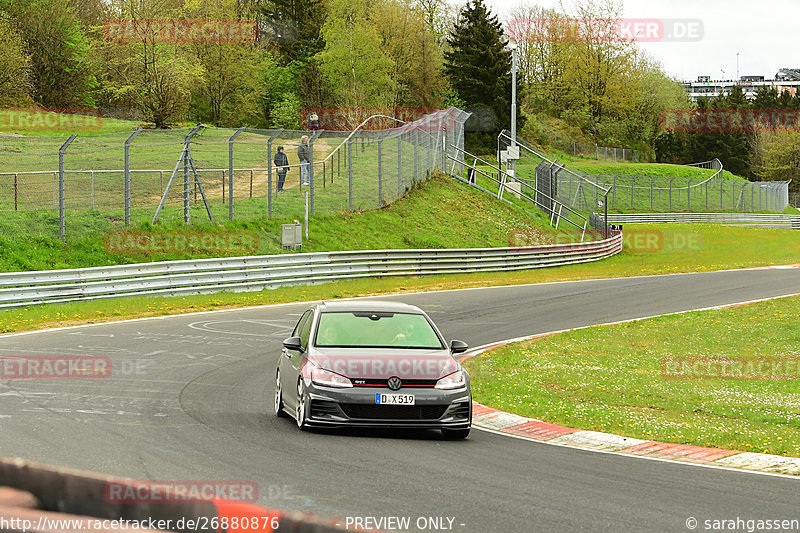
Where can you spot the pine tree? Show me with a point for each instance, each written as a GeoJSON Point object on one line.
{"type": "Point", "coordinates": [479, 65]}
{"type": "Point", "coordinates": [293, 24]}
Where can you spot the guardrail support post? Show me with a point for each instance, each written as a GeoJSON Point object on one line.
{"type": "Point", "coordinates": [62, 226]}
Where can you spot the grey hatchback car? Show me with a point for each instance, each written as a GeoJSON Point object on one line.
{"type": "Point", "coordinates": [372, 364]}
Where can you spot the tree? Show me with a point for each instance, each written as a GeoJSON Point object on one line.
{"type": "Point", "coordinates": [479, 66]}
{"type": "Point", "coordinates": [58, 49]}
{"type": "Point", "coordinates": [438, 16]}
{"type": "Point", "coordinates": [227, 88]}
{"type": "Point", "coordinates": [155, 77]}
{"type": "Point", "coordinates": [293, 25]}
{"type": "Point", "coordinates": [411, 46]}
{"type": "Point", "coordinates": [543, 57]}
{"type": "Point", "coordinates": [603, 59]}
{"type": "Point", "coordinates": [15, 65]}
{"type": "Point", "coordinates": [353, 64]}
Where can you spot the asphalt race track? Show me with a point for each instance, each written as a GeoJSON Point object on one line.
{"type": "Point", "coordinates": [190, 398]}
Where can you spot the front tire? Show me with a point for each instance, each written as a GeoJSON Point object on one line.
{"type": "Point", "coordinates": [279, 397]}
{"type": "Point", "coordinates": [302, 408]}
{"type": "Point", "coordinates": [455, 434]}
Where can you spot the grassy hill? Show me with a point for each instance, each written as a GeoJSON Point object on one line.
{"type": "Point", "coordinates": [440, 213]}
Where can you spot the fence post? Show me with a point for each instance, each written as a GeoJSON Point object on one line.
{"type": "Point", "coordinates": [62, 226]}
{"type": "Point", "coordinates": [380, 172]}
{"type": "Point", "coordinates": [185, 156]}
{"type": "Point", "coordinates": [415, 140]}
{"type": "Point", "coordinates": [689, 195]}
{"type": "Point", "coordinates": [15, 192]}
{"type": "Point", "coordinates": [127, 198]}
{"type": "Point", "coordinates": [230, 172]}
{"type": "Point", "coordinates": [251, 183]}
{"type": "Point", "coordinates": [428, 142]}
{"type": "Point", "coordinates": [399, 166]}
{"type": "Point", "coordinates": [312, 186]}
{"type": "Point", "coordinates": [670, 193]}
{"type": "Point", "coordinates": [614, 196]}
{"type": "Point", "coordinates": [350, 172]}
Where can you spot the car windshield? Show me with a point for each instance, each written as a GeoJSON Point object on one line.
{"type": "Point", "coordinates": [376, 330]}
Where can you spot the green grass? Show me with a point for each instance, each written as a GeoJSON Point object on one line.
{"type": "Point", "coordinates": [94, 182]}
{"type": "Point", "coordinates": [609, 378]}
{"type": "Point", "coordinates": [631, 184]}
{"type": "Point", "coordinates": [433, 215]}
{"type": "Point", "coordinates": [702, 248]}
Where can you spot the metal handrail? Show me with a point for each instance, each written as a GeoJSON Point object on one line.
{"type": "Point", "coordinates": [560, 205]}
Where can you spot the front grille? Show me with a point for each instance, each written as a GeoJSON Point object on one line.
{"type": "Point", "coordinates": [398, 412]}
{"type": "Point", "coordinates": [322, 408]}
{"type": "Point", "coordinates": [383, 383]}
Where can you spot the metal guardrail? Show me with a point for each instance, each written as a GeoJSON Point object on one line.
{"type": "Point", "coordinates": [202, 276]}
{"type": "Point", "coordinates": [707, 218]}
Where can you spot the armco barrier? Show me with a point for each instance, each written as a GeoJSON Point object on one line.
{"type": "Point", "coordinates": [701, 218]}
{"type": "Point", "coordinates": [175, 278]}
{"type": "Point", "coordinates": [83, 494]}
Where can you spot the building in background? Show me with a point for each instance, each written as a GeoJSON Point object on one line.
{"type": "Point", "coordinates": [787, 79]}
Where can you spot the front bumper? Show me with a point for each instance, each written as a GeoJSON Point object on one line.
{"type": "Point", "coordinates": [433, 409]}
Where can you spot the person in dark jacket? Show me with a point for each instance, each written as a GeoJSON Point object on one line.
{"type": "Point", "coordinates": [281, 163]}
{"type": "Point", "coordinates": [304, 156]}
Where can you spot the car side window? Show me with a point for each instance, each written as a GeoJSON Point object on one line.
{"type": "Point", "coordinates": [305, 330]}
{"type": "Point", "coordinates": [301, 323]}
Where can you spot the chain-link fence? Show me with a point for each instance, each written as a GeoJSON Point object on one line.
{"type": "Point", "coordinates": [710, 189]}
{"type": "Point", "coordinates": [69, 186]}
{"type": "Point", "coordinates": [583, 149]}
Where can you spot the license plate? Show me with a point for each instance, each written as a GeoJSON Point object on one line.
{"type": "Point", "coordinates": [394, 399]}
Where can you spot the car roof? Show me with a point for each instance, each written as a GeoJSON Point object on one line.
{"type": "Point", "coordinates": [369, 305]}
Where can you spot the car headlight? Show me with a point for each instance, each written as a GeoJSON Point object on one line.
{"type": "Point", "coordinates": [456, 380]}
{"type": "Point", "coordinates": [326, 378]}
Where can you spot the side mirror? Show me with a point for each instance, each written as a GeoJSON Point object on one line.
{"type": "Point", "coordinates": [458, 346]}
{"type": "Point", "coordinates": [294, 344]}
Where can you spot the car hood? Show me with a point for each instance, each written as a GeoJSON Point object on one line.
{"type": "Point", "coordinates": [384, 363]}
